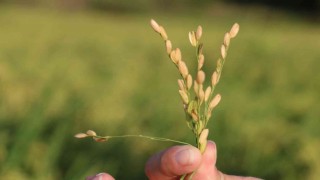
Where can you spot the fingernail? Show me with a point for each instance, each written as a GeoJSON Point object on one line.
{"type": "Point", "coordinates": [99, 176]}
{"type": "Point", "coordinates": [185, 157]}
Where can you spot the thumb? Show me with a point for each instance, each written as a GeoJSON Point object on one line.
{"type": "Point", "coordinates": [173, 162]}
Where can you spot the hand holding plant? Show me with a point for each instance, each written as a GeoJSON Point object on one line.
{"type": "Point", "coordinates": [198, 98]}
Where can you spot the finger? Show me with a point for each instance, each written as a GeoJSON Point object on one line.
{"type": "Point", "coordinates": [173, 162]}
{"type": "Point", "coordinates": [207, 169]}
{"type": "Point", "coordinates": [101, 176]}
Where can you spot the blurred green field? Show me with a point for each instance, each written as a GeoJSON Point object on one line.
{"type": "Point", "coordinates": [65, 72]}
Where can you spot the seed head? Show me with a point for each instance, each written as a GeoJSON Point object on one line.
{"type": "Point", "coordinates": [196, 88]}
{"type": "Point", "coordinates": [100, 139]}
{"type": "Point", "coordinates": [199, 32]}
{"type": "Point", "coordinates": [189, 81]}
{"type": "Point", "coordinates": [219, 65]}
{"type": "Point", "coordinates": [194, 116]}
{"type": "Point", "coordinates": [184, 96]}
{"type": "Point", "coordinates": [201, 93]}
{"type": "Point", "coordinates": [200, 77]}
{"type": "Point", "coordinates": [215, 101]}
{"type": "Point", "coordinates": [163, 33]}
{"type": "Point", "coordinates": [181, 84]}
{"type": "Point", "coordinates": [173, 57]}
{"type": "Point", "coordinates": [81, 135]}
{"type": "Point", "coordinates": [200, 61]}
{"type": "Point", "coordinates": [214, 78]}
{"type": "Point", "coordinates": [178, 55]}
{"type": "Point", "coordinates": [223, 51]}
{"type": "Point", "coordinates": [203, 136]}
{"type": "Point", "coordinates": [207, 93]}
{"type": "Point", "coordinates": [192, 38]}
{"type": "Point", "coordinates": [226, 40]}
{"type": "Point", "coordinates": [234, 30]}
{"type": "Point", "coordinates": [183, 69]}
{"type": "Point", "coordinates": [91, 133]}
{"type": "Point", "coordinates": [168, 46]}
{"type": "Point", "coordinates": [155, 26]}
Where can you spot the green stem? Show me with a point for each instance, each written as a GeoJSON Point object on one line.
{"type": "Point", "coordinates": [146, 137]}
{"type": "Point", "coordinates": [184, 176]}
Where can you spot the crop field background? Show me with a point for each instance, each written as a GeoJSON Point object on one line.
{"type": "Point", "coordinates": [67, 71]}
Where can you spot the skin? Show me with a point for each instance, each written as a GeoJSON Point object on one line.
{"type": "Point", "coordinates": [176, 161]}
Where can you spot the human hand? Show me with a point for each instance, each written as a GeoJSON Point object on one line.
{"type": "Point", "coordinates": [176, 161]}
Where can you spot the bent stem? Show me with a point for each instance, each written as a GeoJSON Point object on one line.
{"type": "Point", "coordinates": [145, 137]}
{"type": "Point", "coordinates": [98, 138]}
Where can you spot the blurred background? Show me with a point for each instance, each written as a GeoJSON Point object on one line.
{"type": "Point", "coordinates": [67, 66]}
